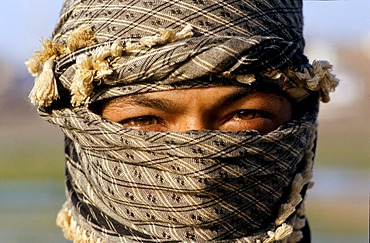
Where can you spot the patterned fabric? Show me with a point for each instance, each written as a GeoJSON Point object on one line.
{"type": "Point", "coordinates": [233, 37]}
{"type": "Point", "coordinates": [126, 185]}
{"type": "Point", "coordinates": [131, 186]}
{"type": "Point", "coordinates": [135, 19]}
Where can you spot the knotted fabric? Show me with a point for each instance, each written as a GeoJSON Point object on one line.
{"type": "Point", "coordinates": [99, 45]}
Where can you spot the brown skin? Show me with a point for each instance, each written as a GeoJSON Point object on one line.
{"type": "Point", "coordinates": [225, 108]}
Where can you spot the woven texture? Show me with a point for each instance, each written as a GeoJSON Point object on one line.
{"type": "Point", "coordinates": [201, 186]}
{"type": "Point", "coordinates": [236, 37]}
{"type": "Point", "coordinates": [194, 186]}
{"type": "Point", "coordinates": [135, 19]}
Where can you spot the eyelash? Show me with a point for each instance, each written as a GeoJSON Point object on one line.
{"type": "Point", "coordinates": [141, 119]}
{"type": "Point", "coordinates": [253, 113]}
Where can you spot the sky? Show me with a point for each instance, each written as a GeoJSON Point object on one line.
{"type": "Point", "coordinates": [23, 23]}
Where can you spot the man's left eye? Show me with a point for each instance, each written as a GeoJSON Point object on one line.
{"type": "Point", "coordinates": [251, 114]}
{"type": "Point", "coordinates": [140, 121]}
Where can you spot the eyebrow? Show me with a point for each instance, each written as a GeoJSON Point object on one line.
{"type": "Point", "coordinates": [239, 93]}
{"type": "Point", "coordinates": [167, 105]}
{"type": "Point", "coordinates": [145, 101]}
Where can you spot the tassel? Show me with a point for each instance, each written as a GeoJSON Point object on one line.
{"type": "Point", "coordinates": [116, 48]}
{"type": "Point", "coordinates": [323, 80]}
{"type": "Point", "coordinates": [45, 91]}
{"type": "Point", "coordinates": [65, 221]}
{"type": "Point", "coordinates": [284, 212]}
{"type": "Point", "coordinates": [89, 68]}
{"type": "Point", "coordinates": [81, 37]}
{"type": "Point", "coordinates": [300, 223]}
{"type": "Point", "coordinates": [283, 231]}
{"type": "Point", "coordinates": [167, 36]}
{"type": "Point", "coordinates": [319, 78]}
{"type": "Point", "coordinates": [41, 66]}
{"type": "Point", "coordinates": [245, 79]}
{"type": "Point", "coordinates": [82, 85]}
{"type": "Point", "coordinates": [310, 184]}
{"type": "Point", "coordinates": [296, 236]}
{"type": "Point", "coordinates": [186, 32]}
{"type": "Point", "coordinates": [100, 61]}
{"type": "Point", "coordinates": [280, 233]}
{"type": "Point", "coordinates": [149, 41]}
{"type": "Point", "coordinates": [301, 210]}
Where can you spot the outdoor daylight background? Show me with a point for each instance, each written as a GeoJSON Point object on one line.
{"type": "Point", "coordinates": [31, 151]}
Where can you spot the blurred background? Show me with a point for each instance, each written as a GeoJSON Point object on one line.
{"type": "Point", "coordinates": [31, 151]}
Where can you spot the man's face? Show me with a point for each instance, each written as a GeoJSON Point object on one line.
{"type": "Point", "coordinates": [226, 108]}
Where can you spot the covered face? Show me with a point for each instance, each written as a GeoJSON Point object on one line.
{"type": "Point", "coordinates": [224, 108]}
{"type": "Point", "coordinates": [185, 121]}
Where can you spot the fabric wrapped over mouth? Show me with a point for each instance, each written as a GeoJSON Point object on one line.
{"type": "Point", "coordinates": [201, 186]}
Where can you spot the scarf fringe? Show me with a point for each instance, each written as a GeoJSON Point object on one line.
{"type": "Point", "coordinates": [295, 203]}
{"type": "Point", "coordinates": [41, 64]}
{"type": "Point", "coordinates": [97, 65]}
{"type": "Point", "coordinates": [72, 231]}
{"type": "Point", "coordinates": [45, 89]}
{"type": "Point", "coordinates": [90, 67]}
{"type": "Point", "coordinates": [318, 78]}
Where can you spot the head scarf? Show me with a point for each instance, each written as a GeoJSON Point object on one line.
{"type": "Point", "coordinates": [125, 185]}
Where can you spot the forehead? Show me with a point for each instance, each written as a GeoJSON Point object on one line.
{"type": "Point", "coordinates": [205, 96]}
{"type": "Point", "coordinates": [221, 85]}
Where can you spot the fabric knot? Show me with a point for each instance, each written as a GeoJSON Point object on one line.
{"type": "Point", "coordinates": [316, 78]}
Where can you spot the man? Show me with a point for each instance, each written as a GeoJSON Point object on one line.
{"type": "Point", "coordinates": [185, 121]}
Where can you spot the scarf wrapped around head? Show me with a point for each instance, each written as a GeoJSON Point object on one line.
{"type": "Point", "coordinates": [125, 185]}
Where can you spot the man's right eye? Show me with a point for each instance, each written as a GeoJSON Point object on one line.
{"type": "Point", "coordinates": [141, 121]}
{"type": "Point", "coordinates": [248, 114]}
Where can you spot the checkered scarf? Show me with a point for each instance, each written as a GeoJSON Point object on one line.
{"type": "Point", "coordinates": [132, 186]}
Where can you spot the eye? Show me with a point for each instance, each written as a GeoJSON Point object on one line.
{"type": "Point", "coordinates": [141, 121]}
{"type": "Point", "coordinates": [250, 119]}
{"type": "Point", "coordinates": [251, 114]}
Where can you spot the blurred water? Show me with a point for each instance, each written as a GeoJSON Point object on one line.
{"type": "Point", "coordinates": [28, 208]}
{"type": "Point", "coordinates": [338, 205]}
